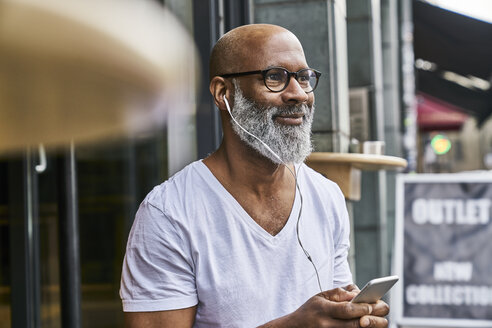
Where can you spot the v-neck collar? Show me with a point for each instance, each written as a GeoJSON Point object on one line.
{"type": "Point", "coordinates": [245, 217]}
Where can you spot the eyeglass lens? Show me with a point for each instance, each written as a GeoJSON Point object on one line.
{"type": "Point", "coordinates": [276, 79]}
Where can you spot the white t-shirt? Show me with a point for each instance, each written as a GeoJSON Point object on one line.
{"type": "Point", "coordinates": [193, 244]}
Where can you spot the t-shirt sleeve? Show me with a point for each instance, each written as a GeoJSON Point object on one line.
{"type": "Point", "coordinates": [342, 276]}
{"type": "Point", "coordinates": [158, 272]}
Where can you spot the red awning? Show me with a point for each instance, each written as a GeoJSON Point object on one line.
{"type": "Point", "coordinates": [454, 43]}
{"type": "Point", "coordinates": [436, 115]}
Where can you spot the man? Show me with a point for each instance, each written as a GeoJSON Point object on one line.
{"type": "Point", "coordinates": [230, 240]}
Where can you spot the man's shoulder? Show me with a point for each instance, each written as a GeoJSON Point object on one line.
{"type": "Point", "coordinates": [179, 184]}
{"type": "Point", "coordinates": [190, 171]}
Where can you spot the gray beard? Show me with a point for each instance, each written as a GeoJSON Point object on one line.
{"type": "Point", "coordinates": [292, 143]}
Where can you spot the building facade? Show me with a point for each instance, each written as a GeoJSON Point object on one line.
{"type": "Point", "coordinates": [64, 225]}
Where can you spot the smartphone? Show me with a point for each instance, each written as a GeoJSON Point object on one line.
{"type": "Point", "coordinates": [375, 289]}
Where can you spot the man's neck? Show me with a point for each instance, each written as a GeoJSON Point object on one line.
{"type": "Point", "coordinates": [248, 169]}
{"type": "Point", "coordinates": [265, 190]}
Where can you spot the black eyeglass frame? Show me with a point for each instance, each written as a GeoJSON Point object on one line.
{"type": "Point", "coordinates": [289, 75]}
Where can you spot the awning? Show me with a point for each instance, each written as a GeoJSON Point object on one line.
{"type": "Point", "coordinates": [436, 115]}
{"type": "Point", "coordinates": [458, 44]}
{"type": "Point", "coordinates": [476, 103]}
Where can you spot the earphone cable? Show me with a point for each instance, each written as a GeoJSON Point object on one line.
{"type": "Point", "coordinates": [297, 229]}
{"type": "Point", "coordinates": [294, 175]}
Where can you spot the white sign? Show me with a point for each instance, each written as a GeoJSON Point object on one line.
{"type": "Point", "coordinates": [443, 251]}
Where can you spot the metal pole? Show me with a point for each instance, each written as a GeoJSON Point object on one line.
{"type": "Point", "coordinates": [24, 243]}
{"type": "Point", "coordinates": [70, 278]}
{"type": "Point", "coordinates": [207, 28]}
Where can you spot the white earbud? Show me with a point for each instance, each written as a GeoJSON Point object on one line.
{"type": "Point", "coordinates": [227, 105]}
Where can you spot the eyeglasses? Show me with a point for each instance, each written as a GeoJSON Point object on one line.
{"type": "Point", "coordinates": [276, 79]}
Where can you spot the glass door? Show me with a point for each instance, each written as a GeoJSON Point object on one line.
{"type": "Point", "coordinates": [111, 180]}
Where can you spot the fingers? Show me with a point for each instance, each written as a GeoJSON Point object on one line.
{"type": "Point", "coordinates": [380, 309]}
{"type": "Point", "coordinates": [369, 321]}
{"type": "Point", "coordinates": [338, 295]}
{"type": "Point", "coordinates": [333, 308]}
{"type": "Point", "coordinates": [352, 288]}
{"type": "Point", "coordinates": [376, 319]}
{"type": "Point", "coordinates": [336, 304]}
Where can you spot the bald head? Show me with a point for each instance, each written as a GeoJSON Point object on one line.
{"type": "Point", "coordinates": [247, 47]}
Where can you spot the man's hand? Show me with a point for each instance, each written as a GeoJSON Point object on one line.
{"type": "Point", "coordinates": [333, 309]}
{"type": "Point", "coordinates": [379, 309]}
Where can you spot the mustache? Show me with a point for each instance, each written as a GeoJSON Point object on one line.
{"type": "Point", "coordinates": [288, 109]}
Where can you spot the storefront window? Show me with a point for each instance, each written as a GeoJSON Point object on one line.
{"type": "Point", "coordinates": [112, 180]}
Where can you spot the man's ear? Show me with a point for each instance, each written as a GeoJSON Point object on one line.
{"type": "Point", "coordinates": [220, 87]}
